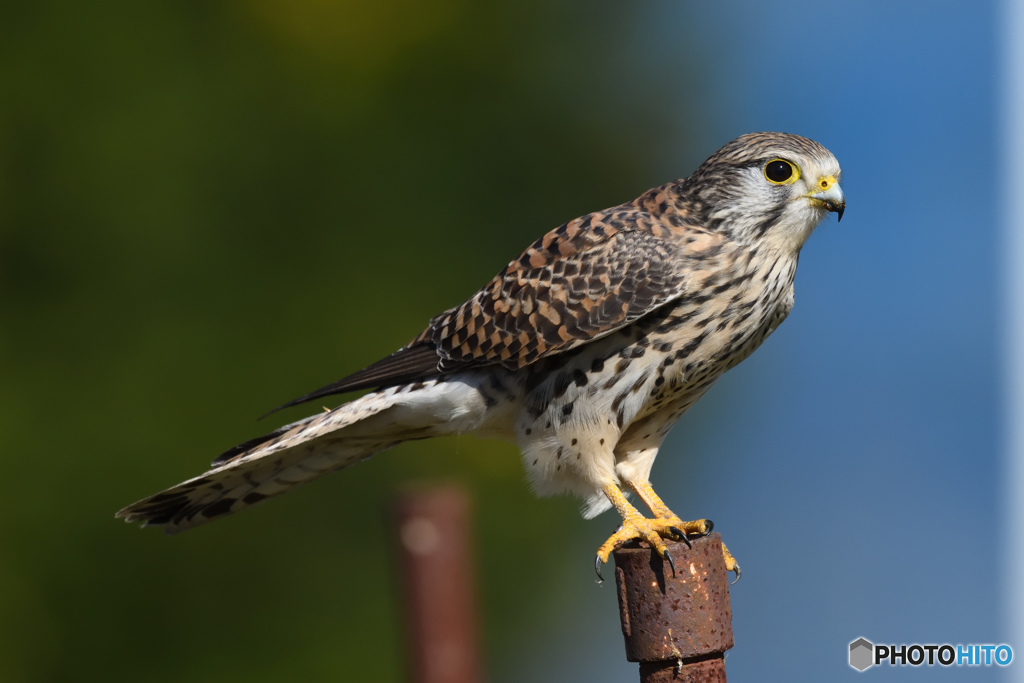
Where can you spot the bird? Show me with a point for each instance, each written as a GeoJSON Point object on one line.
{"type": "Point", "coordinates": [584, 351]}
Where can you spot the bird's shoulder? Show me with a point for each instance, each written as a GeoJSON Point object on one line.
{"type": "Point", "coordinates": [579, 282]}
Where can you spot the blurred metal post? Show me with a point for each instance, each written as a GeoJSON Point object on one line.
{"type": "Point", "coordinates": [437, 573]}
{"type": "Point", "coordinates": [677, 626]}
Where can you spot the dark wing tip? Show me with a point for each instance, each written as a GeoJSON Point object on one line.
{"type": "Point", "coordinates": [411, 364]}
{"type": "Point", "coordinates": [246, 446]}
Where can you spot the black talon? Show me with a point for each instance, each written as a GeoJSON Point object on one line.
{"type": "Point", "coordinates": [597, 568]}
{"type": "Point", "coordinates": [738, 573]}
{"type": "Point", "coordinates": [711, 526]}
{"type": "Point", "coordinates": [681, 535]}
{"type": "Point", "coordinates": [672, 564]}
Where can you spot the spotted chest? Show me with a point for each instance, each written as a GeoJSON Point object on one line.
{"type": "Point", "coordinates": [701, 343]}
{"type": "Point", "coordinates": [583, 409]}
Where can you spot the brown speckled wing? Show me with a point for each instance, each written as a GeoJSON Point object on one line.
{"type": "Point", "coordinates": [579, 282]}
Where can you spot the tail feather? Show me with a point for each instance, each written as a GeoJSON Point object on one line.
{"type": "Point", "coordinates": [302, 451]}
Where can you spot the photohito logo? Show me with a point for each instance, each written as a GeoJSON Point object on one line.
{"type": "Point", "coordinates": [864, 654]}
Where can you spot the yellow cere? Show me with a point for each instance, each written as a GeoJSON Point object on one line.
{"type": "Point", "coordinates": [826, 182]}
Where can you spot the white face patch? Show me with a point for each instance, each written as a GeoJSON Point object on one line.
{"type": "Point", "coordinates": [800, 215]}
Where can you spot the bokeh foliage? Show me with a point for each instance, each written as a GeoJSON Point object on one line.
{"type": "Point", "coordinates": [207, 208]}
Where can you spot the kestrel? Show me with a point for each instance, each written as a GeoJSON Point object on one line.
{"type": "Point", "coordinates": [584, 351]}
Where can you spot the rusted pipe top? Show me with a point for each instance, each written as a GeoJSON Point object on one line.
{"type": "Point", "coordinates": [682, 618]}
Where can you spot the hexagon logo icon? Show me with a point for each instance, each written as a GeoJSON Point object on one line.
{"type": "Point", "coordinates": [861, 652]}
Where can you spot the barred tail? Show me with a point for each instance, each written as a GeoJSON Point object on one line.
{"type": "Point", "coordinates": [310, 448]}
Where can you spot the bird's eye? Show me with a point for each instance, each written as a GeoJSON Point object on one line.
{"type": "Point", "coordinates": [780, 172]}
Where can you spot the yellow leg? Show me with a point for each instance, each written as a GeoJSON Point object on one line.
{"type": "Point", "coordinates": [635, 526]}
{"type": "Point", "coordinates": [700, 526]}
{"type": "Point", "coordinates": [652, 501]}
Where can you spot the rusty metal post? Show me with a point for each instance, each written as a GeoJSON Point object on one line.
{"type": "Point", "coordinates": [437, 572]}
{"type": "Point", "coordinates": [678, 627]}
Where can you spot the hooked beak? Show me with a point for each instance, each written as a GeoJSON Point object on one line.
{"type": "Point", "coordinates": [832, 199]}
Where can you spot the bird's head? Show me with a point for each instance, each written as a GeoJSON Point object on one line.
{"type": "Point", "coordinates": [767, 187]}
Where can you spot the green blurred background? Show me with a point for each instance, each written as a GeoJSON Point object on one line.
{"type": "Point", "coordinates": [208, 208]}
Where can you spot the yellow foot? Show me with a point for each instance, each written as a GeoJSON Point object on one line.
{"type": "Point", "coordinates": [636, 527]}
{"type": "Point", "coordinates": [702, 527]}
{"type": "Point", "coordinates": [731, 565]}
